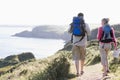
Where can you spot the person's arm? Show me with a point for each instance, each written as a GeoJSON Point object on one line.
{"type": "Point", "coordinates": [88, 30]}
{"type": "Point", "coordinates": [114, 39]}
{"type": "Point", "coordinates": [70, 29]}
{"type": "Point", "coordinates": [99, 34]}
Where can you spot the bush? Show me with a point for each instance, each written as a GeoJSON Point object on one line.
{"type": "Point", "coordinates": [115, 63]}
{"type": "Point", "coordinates": [95, 60]}
{"type": "Point", "coordinates": [57, 70]}
{"type": "Point", "coordinates": [7, 63]}
{"type": "Point", "coordinates": [67, 46]}
{"type": "Point", "coordinates": [93, 43]}
{"type": "Point", "coordinates": [24, 72]}
{"type": "Point", "coordinates": [25, 56]}
{"type": "Point", "coordinates": [15, 59]}
{"type": "Point", "coordinates": [12, 58]}
{"type": "Point", "coordinates": [92, 56]}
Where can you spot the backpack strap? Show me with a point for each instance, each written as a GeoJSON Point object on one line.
{"type": "Point", "coordinates": [72, 38]}
{"type": "Point", "coordinates": [79, 40]}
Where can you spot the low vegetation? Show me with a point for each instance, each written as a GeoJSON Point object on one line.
{"type": "Point", "coordinates": [56, 67]}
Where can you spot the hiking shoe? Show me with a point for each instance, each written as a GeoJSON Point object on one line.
{"type": "Point", "coordinates": [77, 74]}
{"type": "Point", "coordinates": [82, 72]}
{"type": "Point", "coordinates": [108, 71]}
{"type": "Point", "coordinates": [104, 74]}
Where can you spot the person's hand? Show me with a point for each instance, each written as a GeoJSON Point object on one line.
{"type": "Point", "coordinates": [115, 45]}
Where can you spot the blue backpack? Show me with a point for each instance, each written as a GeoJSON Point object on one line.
{"type": "Point", "coordinates": [107, 35]}
{"type": "Point", "coordinates": [78, 26]}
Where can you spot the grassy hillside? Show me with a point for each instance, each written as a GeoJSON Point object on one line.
{"type": "Point", "coordinates": [30, 69]}
{"type": "Point", "coordinates": [55, 67]}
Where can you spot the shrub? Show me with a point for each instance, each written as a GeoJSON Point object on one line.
{"type": "Point", "coordinates": [24, 72]}
{"type": "Point", "coordinates": [12, 58]}
{"type": "Point", "coordinates": [25, 56]}
{"type": "Point", "coordinates": [7, 63]}
{"type": "Point", "coordinates": [67, 46]}
{"type": "Point", "coordinates": [95, 60]}
{"type": "Point", "coordinates": [115, 63]}
{"type": "Point", "coordinates": [57, 70]}
{"type": "Point", "coordinates": [92, 56]}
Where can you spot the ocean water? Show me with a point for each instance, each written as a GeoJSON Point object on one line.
{"type": "Point", "coordinates": [41, 48]}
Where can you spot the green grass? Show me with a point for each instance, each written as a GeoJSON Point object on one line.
{"type": "Point", "coordinates": [58, 69]}
{"type": "Point", "coordinates": [25, 70]}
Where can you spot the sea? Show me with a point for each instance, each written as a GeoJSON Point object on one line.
{"type": "Point", "coordinates": [11, 45]}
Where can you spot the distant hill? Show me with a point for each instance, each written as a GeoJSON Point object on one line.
{"type": "Point", "coordinates": [46, 31]}
{"type": "Point", "coordinates": [58, 32]}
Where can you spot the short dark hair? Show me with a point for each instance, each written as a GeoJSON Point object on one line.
{"type": "Point", "coordinates": [80, 14]}
{"type": "Point", "coordinates": [106, 20]}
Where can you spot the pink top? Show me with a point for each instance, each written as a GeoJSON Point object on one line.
{"type": "Point", "coordinates": [99, 35]}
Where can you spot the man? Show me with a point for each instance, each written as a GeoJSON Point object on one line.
{"type": "Point", "coordinates": [79, 43]}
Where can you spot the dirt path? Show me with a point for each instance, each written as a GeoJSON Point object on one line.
{"type": "Point", "coordinates": [93, 72]}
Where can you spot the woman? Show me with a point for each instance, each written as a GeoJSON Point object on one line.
{"type": "Point", "coordinates": [105, 43]}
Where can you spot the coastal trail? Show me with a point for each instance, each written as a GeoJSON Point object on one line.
{"type": "Point", "coordinates": [92, 72]}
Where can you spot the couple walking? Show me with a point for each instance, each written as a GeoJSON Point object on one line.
{"type": "Point", "coordinates": [80, 31]}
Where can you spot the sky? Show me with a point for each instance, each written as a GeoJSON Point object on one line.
{"type": "Point", "coordinates": [57, 12]}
